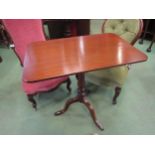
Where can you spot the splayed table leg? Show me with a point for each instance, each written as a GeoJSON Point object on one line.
{"type": "Point", "coordinates": [81, 97]}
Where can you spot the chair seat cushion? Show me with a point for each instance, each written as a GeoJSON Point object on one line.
{"type": "Point", "coordinates": [112, 76]}
{"type": "Point", "coordinates": [32, 88]}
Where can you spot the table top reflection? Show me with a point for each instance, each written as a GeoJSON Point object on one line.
{"type": "Point", "coordinates": [67, 56]}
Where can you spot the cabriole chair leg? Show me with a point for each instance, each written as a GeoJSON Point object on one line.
{"type": "Point", "coordinates": [31, 99]}
{"type": "Point", "coordinates": [117, 92]}
{"type": "Point", "coordinates": [69, 85]}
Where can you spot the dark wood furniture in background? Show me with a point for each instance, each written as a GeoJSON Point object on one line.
{"type": "Point", "coordinates": [149, 32]}
{"type": "Point", "coordinates": [76, 56]}
{"type": "Point", "coordinates": [4, 38]}
{"type": "Point", "coordinates": [61, 28]}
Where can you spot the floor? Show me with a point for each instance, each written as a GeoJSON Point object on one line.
{"type": "Point", "coordinates": [134, 113]}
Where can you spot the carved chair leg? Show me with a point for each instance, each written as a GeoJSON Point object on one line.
{"type": "Point", "coordinates": [31, 99]}
{"type": "Point", "coordinates": [117, 92]}
{"type": "Point", "coordinates": [69, 85]}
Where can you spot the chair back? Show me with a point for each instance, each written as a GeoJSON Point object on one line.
{"type": "Point", "coordinates": [128, 29]}
{"type": "Point", "coordinates": [24, 32]}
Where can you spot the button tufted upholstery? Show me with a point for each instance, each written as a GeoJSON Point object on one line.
{"type": "Point", "coordinates": [129, 30]}
{"type": "Point", "coordinates": [126, 29]}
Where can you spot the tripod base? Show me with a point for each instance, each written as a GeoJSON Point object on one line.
{"type": "Point", "coordinates": [81, 98]}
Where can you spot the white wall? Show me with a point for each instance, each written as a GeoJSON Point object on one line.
{"type": "Point", "coordinates": [96, 25]}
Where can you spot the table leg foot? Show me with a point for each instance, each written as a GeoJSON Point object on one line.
{"type": "Point", "coordinates": [67, 105]}
{"type": "Point", "coordinates": [92, 113]}
{"type": "Point", "coordinates": [99, 125]}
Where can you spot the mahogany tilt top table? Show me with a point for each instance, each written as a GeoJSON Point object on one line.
{"type": "Point", "coordinates": [77, 55]}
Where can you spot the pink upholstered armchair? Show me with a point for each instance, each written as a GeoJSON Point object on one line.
{"type": "Point", "coordinates": [23, 32]}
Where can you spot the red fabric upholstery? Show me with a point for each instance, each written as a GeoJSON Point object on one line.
{"type": "Point", "coordinates": [32, 88]}
{"type": "Point", "coordinates": [23, 32]}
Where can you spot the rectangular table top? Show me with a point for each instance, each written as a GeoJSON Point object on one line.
{"type": "Point", "coordinates": [67, 56]}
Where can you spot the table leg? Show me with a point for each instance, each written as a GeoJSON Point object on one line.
{"type": "Point", "coordinates": [81, 97]}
